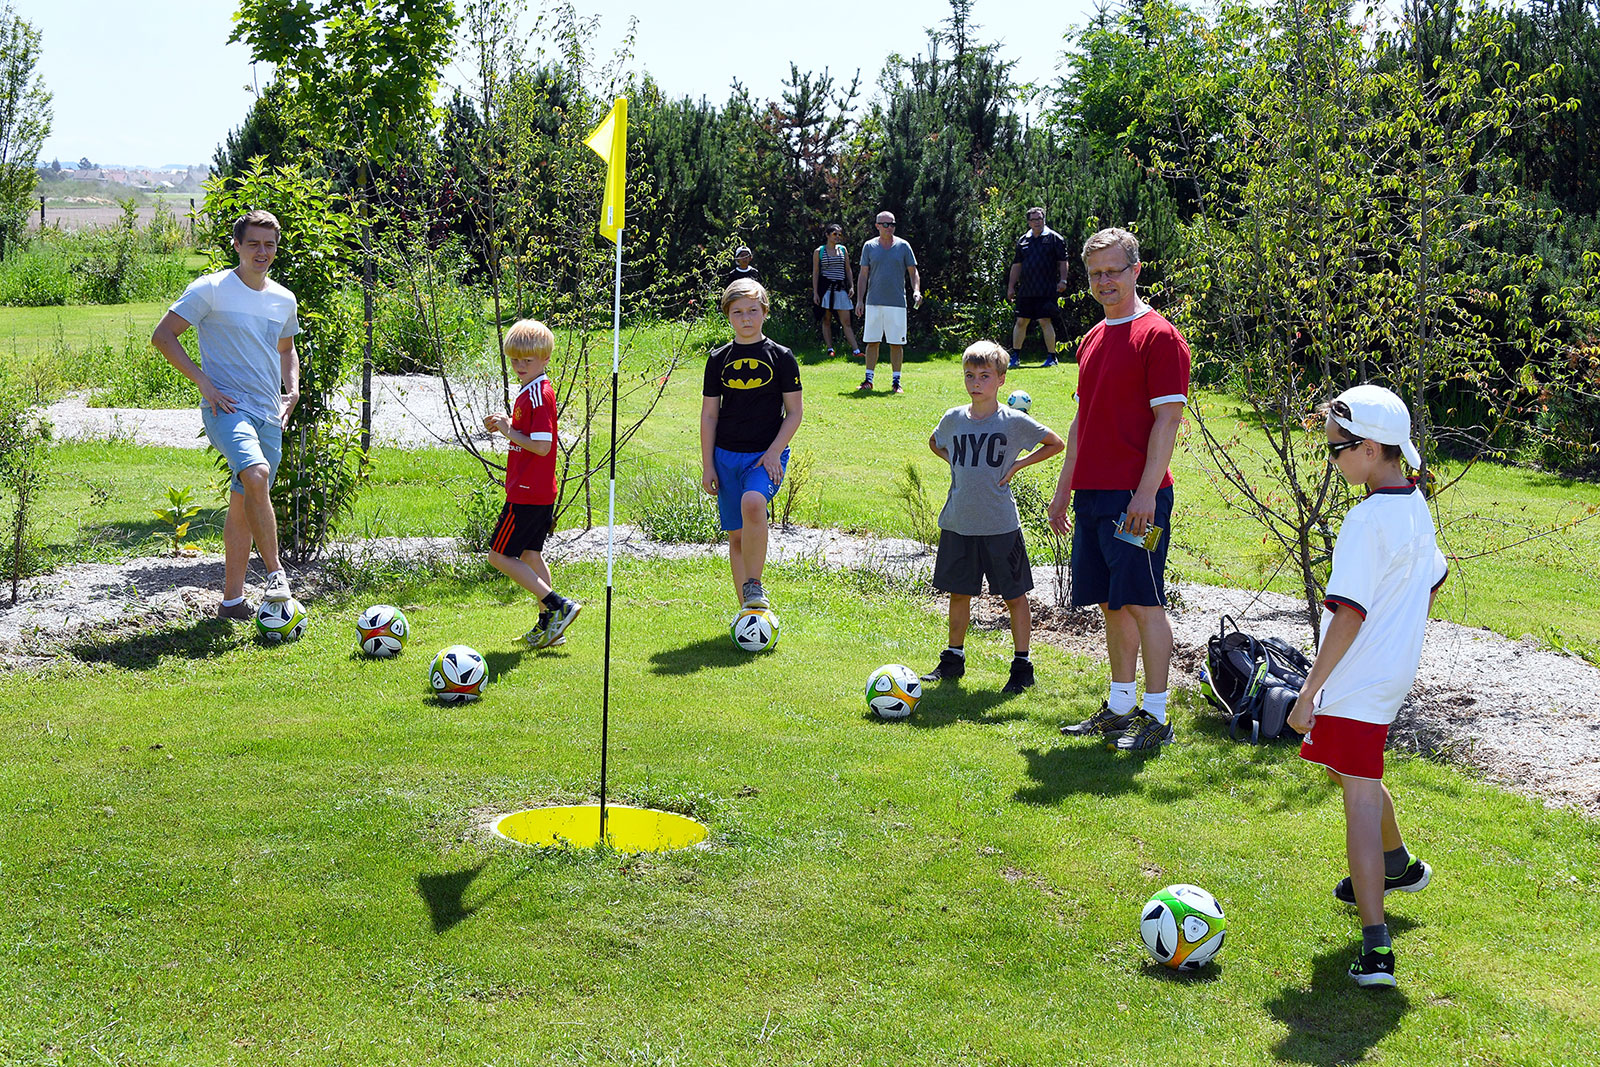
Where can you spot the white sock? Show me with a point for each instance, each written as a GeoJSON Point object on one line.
{"type": "Point", "coordinates": [1121, 699]}
{"type": "Point", "coordinates": [897, 376]}
{"type": "Point", "coordinates": [235, 602]}
{"type": "Point", "coordinates": [280, 570]}
{"type": "Point", "coordinates": [869, 376]}
{"type": "Point", "coordinates": [1156, 705]}
{"type": "Point", "coordinates": [954, 651]}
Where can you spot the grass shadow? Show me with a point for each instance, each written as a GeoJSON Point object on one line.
{"type": "Point", "coordinates": [143, 649]}
{"type": "Point", "coordinates": [1334, 1021]}
{"type": "Point", "coordinates": [950, 703]}
{"type": "Point", "coordinates": [1080, 767]}
{"type": "Point", "coordinates": [692, 658]}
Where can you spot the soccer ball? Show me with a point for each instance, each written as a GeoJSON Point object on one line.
{"type": "Point", "coordinates": [1020, 400]}
{"type": "Point", "coordinates": [755, 629]}
{"type": "Point", "coordinates": [893, 691]}
{"type": "Point", "coordinates": [279, 621]}
{"type": "Point", "coordinates": [383, 630]}
{"type": "Point", "coordinates": [458, 673]}
{"type": "Point", "coordinates": [1183, 927]}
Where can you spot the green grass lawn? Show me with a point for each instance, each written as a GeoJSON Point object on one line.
{"type": "Point", "coordinates": [220, 852]}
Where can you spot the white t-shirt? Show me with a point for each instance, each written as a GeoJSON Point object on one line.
{"type": "Point", "coordinates": [981, 451]}
{"type": "Point", "coordinates": [238, 330]}
{"type": "Point", "coordinates": [1386, 565]}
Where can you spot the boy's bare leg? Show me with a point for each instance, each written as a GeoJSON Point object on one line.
{"type": "Point", "coordinates": [535, 560]}
{"type": "Point", "coordinates": [753, 547]}
{"type": "Point", "coordinates": [521, 573]}
{"type": "Point", "coordinates": [960, 619]}
{"type": "Point", "coordinates": [1122, 644]}
{"type": "Point", "coordinates": [1155, 641]}
{"type": "Point", "coordinates": [1021, 622]}
{"type": "Point", "coordinates": [1363, 843]}
{"type": "Point", "coordinates": [736, 563]}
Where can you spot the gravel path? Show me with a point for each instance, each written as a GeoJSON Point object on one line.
{"type": "Point", "coordinates": [1524, 716]}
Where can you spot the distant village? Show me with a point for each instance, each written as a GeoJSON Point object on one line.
{"type": "Point", "coordinates": [161, 180]}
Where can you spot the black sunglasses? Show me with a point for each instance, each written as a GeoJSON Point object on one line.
{"type": "Point", "coordinates": [885, 224]}
{"type": "Point", "coordinates": [1335, 447]}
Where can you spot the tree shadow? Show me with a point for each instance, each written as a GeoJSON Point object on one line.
{"type": "Point", "coordinates": [1080, 767]}
{"type": "Point", "coordinates": [143, 649]}
{"type": "Point", "coordinates": [951, 703]}
{"type": "Point", "coordinates": [1334, 1021]}
{"type": "Point", "coordinates": [707, 652]}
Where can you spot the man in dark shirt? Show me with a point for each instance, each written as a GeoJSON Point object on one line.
{"type": "Point", "coordinates": [1038, 276]}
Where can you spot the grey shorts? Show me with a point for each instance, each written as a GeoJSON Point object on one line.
{"type": "Point", "coordinates": [965, 560]}
{"type": "Point", "coordinates": [244, 441]}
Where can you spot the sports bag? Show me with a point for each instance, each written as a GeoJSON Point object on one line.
{"type": "Point", "coordinates": [1254, 681]}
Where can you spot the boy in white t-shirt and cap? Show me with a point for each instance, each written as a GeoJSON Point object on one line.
{"type": "Point", "coordinates": [1387, 568]}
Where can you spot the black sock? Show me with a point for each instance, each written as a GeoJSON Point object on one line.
{"type": "Point", "coordinates": [1020, 654]}
{"type": "Point", "coordinates": [1375, 937]}
{"type": "Point", "coordinates": [956, 650]}
{"type": "Point", "coordinates": [1395, 862]}
{"type": "Point", "coordinates": [554, 600]}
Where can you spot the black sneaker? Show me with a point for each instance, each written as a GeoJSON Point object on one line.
{"type": "Point", "coordinates": [1103, 723]}
{"type": "Point", "coordinates": [1021, 676]}
{"type": "Point", "coordinates": [560, 619]}
{"type": "Point", "coordinates": [1413, 879]}
{"type": "Point", "coordinates": [1144, 733]}
{"type": "Point", "coordinates": [1375, 968]}
{"type": "Point", "coordinates": [951, 666]}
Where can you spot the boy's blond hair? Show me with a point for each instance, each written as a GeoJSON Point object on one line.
{"type": "Point", "coordinates": [986, 354]}
{"type": "Point", "coordinates": [529, 339]}
{"type": "Point", "coordinates": [744, 287]}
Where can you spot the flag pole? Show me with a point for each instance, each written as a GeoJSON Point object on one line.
{"type": "Point", "coordinates": [611, 529]}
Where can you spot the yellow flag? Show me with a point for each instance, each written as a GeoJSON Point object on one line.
{"type": "Point", "coordinates": [610, 142]}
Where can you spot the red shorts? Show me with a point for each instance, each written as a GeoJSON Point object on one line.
{"type": "Point", "coordinates": [1348, 746]}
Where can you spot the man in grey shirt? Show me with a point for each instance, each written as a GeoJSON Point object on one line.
{"type": "Point", "coordinates": [245, 324]}
{"type": "Point", "coordinates": [886, 262]}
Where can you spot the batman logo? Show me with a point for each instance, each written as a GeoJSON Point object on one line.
{"type": "Point", "coordinates": [746, 373]}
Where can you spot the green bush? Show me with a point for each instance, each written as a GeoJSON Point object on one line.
{"type": "Point", "coordinates": [671, 507]}
{"type": "Point", "coordinates": [41, 276]}
{"type": "Point", "coordinates": [424, 318]}
{"type": "Point", "coordinates": [136, 377]}
{"type": "Point", "coordinates": [480, 506]}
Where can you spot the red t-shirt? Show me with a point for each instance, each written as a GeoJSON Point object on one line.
{"type": "Point", "coordinates": [1123, 371]}
{"type": "Point", "coordinates": [530, 477]}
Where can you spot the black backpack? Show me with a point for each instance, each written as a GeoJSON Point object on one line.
{"type": "Point", "coordinates": [1254, 681]}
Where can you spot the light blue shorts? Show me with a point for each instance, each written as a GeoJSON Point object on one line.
{"type": "Point", "coordinates": [739, 473]}
{"type": "Point", "coordinates": [244, 441]}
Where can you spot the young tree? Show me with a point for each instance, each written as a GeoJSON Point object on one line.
{"type": "Point", "coordinates": [25, 115]}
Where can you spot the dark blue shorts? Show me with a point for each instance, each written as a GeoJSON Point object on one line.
{"type": "Point", "coordinates": [1112, 572]}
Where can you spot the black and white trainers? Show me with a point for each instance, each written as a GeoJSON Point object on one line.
{"type": "Point", "coordinates": [1413, 879]}
{"type": "Point", "coordinates": [1103, 723]}
{"type": "Point", "coordinates": [1021, 676]}
{"type": "Point", "coordinates": [1375, 968]}
{"type": "Point", "coordinates": [1144, 733]}
{"type": "Point", "coordinates": [560, 619]}
{"type": "Point", "coordinates": [951, 666]}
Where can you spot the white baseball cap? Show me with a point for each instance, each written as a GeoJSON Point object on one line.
{"type": "Point", "coordinates": [1376, 414]}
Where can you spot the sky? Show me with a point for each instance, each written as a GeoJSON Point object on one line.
{"type": "Point", "coordinates": [157, 84]}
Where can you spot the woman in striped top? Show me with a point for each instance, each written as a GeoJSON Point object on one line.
{"type": "Point", "coordinates": [831, 286]}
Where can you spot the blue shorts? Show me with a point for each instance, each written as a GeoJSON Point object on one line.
{"type": "Point", "coordinates": [1106, 570]}
{"type": "Point", "coordinates": [739, 473]}
{"type": "Point", "coordinates": [244, 441]}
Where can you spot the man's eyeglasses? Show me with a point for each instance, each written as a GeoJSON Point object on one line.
{"type": "Point", "coordinates": [1107, 275]}
{"type": "Point", "coordinates": [1336, 447]}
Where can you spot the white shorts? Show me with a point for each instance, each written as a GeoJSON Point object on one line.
{"type": "Point", "coordinates": [884, 324]}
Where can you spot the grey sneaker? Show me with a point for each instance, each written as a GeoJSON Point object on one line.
{"type": "Point", "coordinates": [1144, 733]}
{"type": "Point", "coordinates": [539, 636]}
{"type": "Point", "coordinates": [754, 595]}
{"type": "Point", "coordinates": [1413, 879]}
{"type": "Point", "coordinates": [560, 619]}
{"type": "Point", "coordinates": [1104, 723]}
{"type": "Point", "coordinates": [277, 589]}
{"type": "Point", "coordinates": [241, 610]}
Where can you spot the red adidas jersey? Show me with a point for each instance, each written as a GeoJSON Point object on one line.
{"type": "Point", "coordinates": [530, 477]}
{"type": "Point", "coordinates": [1123, 371]}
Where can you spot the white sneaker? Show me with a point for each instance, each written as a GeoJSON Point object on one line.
{"type": "Point", "coordinates": [277, 587]}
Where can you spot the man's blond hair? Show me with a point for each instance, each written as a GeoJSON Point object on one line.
{"type": "Point", "coordinates": [1113, 237]}
{"type": "Point", "coordinates": [986, 354]}
{"type": "Point", "coordinates": [529, 339]}
{"type": "Point", "coordinates": [744, 287]}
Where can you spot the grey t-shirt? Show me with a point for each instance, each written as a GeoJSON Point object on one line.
{"type": "Point", "coordinates": [981, 451]}
{"type": "Point", "coordinates": [238, 330]}
{"type": "Point", "coordinates": [886, 273]}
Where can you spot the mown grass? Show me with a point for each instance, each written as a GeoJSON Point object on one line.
{"type": "Point", "coordinates": [219, 852]}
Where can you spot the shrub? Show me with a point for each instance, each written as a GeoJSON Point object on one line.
{"type": "Point", "coordinates": [671, 507]}
{"type": "Point", "coordinates": [39, 277]}
{"type": "Point", "coordinates": [405, 321]}
{"type": "Point", "coordinates": [480, 508]}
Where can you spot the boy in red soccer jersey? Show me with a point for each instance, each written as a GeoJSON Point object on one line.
{"type": "Point", "coordinates": [531, 488]}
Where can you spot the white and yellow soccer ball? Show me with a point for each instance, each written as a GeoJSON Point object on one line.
{"type": "Point", "coordinates": [1183, 927]}
{"type": "Point", "coordinates": [893, 691]}
{"type": "Point", "coordinates": [1020, 400]}
{"type": "Point", "coordinates": [458, 673]}
{"type": "Point", "coordinates": [755, 629]}
{"type": "Point", "coordinates": [280, 621]}
{"type": "Point", "coordinates": [382, 630]}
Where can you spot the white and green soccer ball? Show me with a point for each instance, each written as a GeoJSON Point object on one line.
{"type": "Point", "coordinates": [458, 674]}
{"type": "Point", "coordinates": [382, 630]}
{"type": "Point", "coordinates": [755, 629]}
{"type": "Point", "coordinates": [1183, 927]}
{"type": "Point", "coordinates": [280, 621]}
{"type": "Point", "coordinates": [893, 691]}
{"type": "Point", "coordinates": [1020, 400]}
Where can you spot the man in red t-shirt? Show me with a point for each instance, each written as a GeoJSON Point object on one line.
{"type": "Point", "coordinates": [517, 547]}
{"type": "Point", "coordinates": [1133, 380]}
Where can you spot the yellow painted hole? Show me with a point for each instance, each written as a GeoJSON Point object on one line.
{"type": "Point", "coordinates": [578, 826]}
